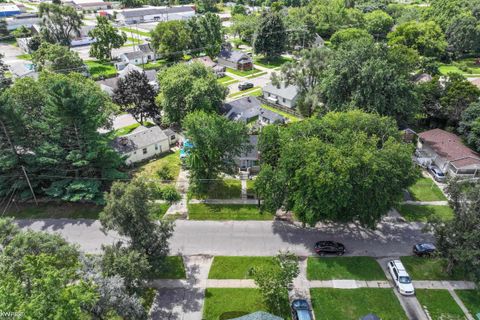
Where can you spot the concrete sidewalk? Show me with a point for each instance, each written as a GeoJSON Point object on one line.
{"type": "Point", "coordinates": [225, 201]}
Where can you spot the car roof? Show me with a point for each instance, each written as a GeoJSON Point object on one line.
{"type": "Point", "coordinates": [428, 246]}
{"type": "Point", "coordinates": [303, 314]}
{"type": "Point", "coordinates": [400, 267]}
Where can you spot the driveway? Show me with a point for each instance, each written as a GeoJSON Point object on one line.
{"type": "Point", "coordinates": [255, 238]}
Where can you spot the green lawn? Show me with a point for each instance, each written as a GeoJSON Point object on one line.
{"type": "Point", "coordinates": [243, 73]}
{"type": "Point", "coordinates": [155, 65]}
{"type": "Point", "coordinates": [220, 189]}
{"type": "Point", "coordinates": [272, 63]}
{"type": "Point", "coordinates": [225, 79]}
{"type": "Point", "coordinates": [229, 303]}
{"type": "Point", "coordinates": [473, 69]}
{"type": "Point", "coordinates": [429, 269]}
{"type": "Point", "coordinates": [238, 267]}
{"type": "Point", "coordinates": [226, 212]}
{"type": "Point", "coordinates": [100, 69]}
{"type": "Point", "coordinates": [335, 304]}
{"type": "Point", "coordinates": [251, 187]}
{"type": "Point", "coordinates": [425, 189]}
{"type": "Point", "coordinates": [158, 210]}
{"type": "Point", "coordinates": [413, 212]}
{"type": "Point", "coordinates": [54, 210]}
{"type": "Point", "coordinates": [471, 300]}
{"type": "Point", "coordinates": [173, 268]}
{"type": "Point", "coordinates": [135, 31]}
{"type": "Point", "coordinates": [439, 304]}
{"type": "Point", "coordinates": [126, 130]}
{"type": "Point", "coordinates": [355, 268]}
{"type": "Point", "coordinates": [246, 92]}
{"type": "Point", "coordinates": [256, 75]}
{"type": "Point", "coordinates": [151, 169]}
{"type": "Point", "coordinates": [289, 116]}
{"type": "Point", "coordinates": [25, 56]}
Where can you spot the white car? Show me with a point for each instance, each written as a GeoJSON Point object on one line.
{"type": "Point", "coordinates": [401, 278]}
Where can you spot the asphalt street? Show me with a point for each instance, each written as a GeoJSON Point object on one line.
{"type": "Point", "coordinates": [255, 238]}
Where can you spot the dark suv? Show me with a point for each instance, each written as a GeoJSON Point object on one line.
{"type": "Point", "coordinates": [329, 247]}
{"type": "Point", "coordinates": [424, 249]}
{"type": "Point", "coordinates": [300, 310]}
{"type": "Point", "coordinates": [245, 86]}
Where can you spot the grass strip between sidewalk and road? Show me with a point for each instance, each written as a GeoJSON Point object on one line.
{"type": "Point", "coordinates": [425, 268]}
{"type": "Point", "coordinates": [412, 212]}
{"type": "Point", "coordinates": [439, 304]}
{"type": "Point", "coordinates": [238, 267]}
{"type": "Point", "coordinates": [251, 91]}
{"type": "Point", "coordinates": [354, 268]}
{"type": "Point", "coordinates": [202, 211]}
{"type": "Point", "coordinates": [328, 303]}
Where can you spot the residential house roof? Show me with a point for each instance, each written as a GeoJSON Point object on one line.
{"type": "Point", "coordinates": [422, 77]}
{"type": "Point", "coordinates": [145, 48]}
{"type": "Point", "coordinates": [475, 81]}
{"type": "Point", "coordinates": [450, 147]}
{"type": "Point", "coordinates": [206, 61]}
{"type": "Point", "coordinates": [259, 315]}
{"type": "Point", "coordinates": [252, 153]}
{"type": "Point", "coordinates": [246, 108]}
{"type": "Point", "coordinates": [139, 138]}
{"type": "Point", "coordinates": [132, 13]}
{"type": "Point", "coordinates": [233, 55]}
{"type": "Point", "coordinates": [134, 55]}
{"type": "Point", "coordinates": [288, 92]}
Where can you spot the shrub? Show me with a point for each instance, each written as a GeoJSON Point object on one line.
{"type": "Point", "coordinates": [170, 194]}
{"type": "Point", "coordinates": [165, 173]}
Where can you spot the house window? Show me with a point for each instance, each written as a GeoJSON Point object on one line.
{"type": "Point", "coordinates": [172, 137]}
{"type": "Point", "coordinates": [284, 100]}
{"type": "Point", "coordinates": [268, 94]}
{"type": "Point", "coordinates": [144, 150]}
{"type": "Point", "coordinates": [156, 146]}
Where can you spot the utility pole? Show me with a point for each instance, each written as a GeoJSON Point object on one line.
{"type": "Point", "coordinates": [30, 185]}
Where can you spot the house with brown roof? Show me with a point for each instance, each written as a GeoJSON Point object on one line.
{"type": "Point", "coordinates": [447, 151]}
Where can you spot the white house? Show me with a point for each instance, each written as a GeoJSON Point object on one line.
{"type": "Point", "coordinates": [250, 161]}
{"type": "Point", "coordinates": [141, 144]}
{"type": "Point", "coordinates": [447, 151]}
{"type": "Point", "coordinates": [134, 57]}
{"type": "Point", "coordinates": [284, 95]}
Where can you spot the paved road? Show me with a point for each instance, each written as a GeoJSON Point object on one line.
{"type": "Point", "coordinates": [257, 238]}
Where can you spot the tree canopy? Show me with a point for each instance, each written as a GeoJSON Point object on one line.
{"type": "Point", "coordinates": [107, 37]}
{"type": "Point", "coordinates": [188, 87]}
{"type": "Point", "coordinates": [270, 37]}
{"type": "Point", "coordinates": [57, 58]}
{"type": "Point", "coordinates": [59, 23]}
{"type": "Point", "coordinates": [346, 166]}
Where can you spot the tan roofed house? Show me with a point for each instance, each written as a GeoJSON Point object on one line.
{"type": "Point", "coordinates": [448, 152]}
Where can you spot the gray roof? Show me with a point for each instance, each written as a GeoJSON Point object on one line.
{"type": "Point", "coordinates": [233, 55]}
{"type": "Point", "coordinates": [153, 11]}
{"type": "Point", "coordinates": [134, 54]}
{"type": "Point", "coordinates": [259, 315]}
{"type": "Point", "coordinates": [246, 108]}
{"type": "Point", "coordinates": [253, 152]}
{"type": "Point", "coordinates": [145, 48]}
{"type": "Point", "coordinates": [288, 92]}
{"type": "Point", "coordinates": [139, 138]}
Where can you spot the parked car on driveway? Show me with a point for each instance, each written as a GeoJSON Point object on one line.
{"type": "Point", "coordinates": [423, 249]}
{"type": "Point", "coordinates": [245, 86]}
{"type": "Point", "coordinates": [329, 247]}
{"type": "Point", "coordinates": [400, 277]}
{"type": "Point", "coordinates": [301, 310]}
{"type": "Point", "coordinates": [437, 174]}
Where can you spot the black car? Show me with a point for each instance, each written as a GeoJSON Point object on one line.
{"type": "Point", "coordinates": [422, 249]}
{"type": "Point", "coordinates": [300, 310]}
{"type": "Point", "coordinates": [245, 86]}
{"type": "Point", "coordinates": [329, 247]}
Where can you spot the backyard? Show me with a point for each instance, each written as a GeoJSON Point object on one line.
{"type": "Point", "coordinates": [167, 167]}
{"type": "Point", "coordinates": [100, 69]}
{"type": "Point", "coordinates": [466, 67]}
{"type": "Point", "coordinates": [423, 213]}
{"type": "Point", "coordinates": [202, 211]}
{"type": "Point", "coordinates": [220, 189]}
{"type": "Point", "coordinates": [355, 268]}
{"type": "Point", "coordinates": [332, 304]}
{"type": "Point", "coordinates": [271, 63]}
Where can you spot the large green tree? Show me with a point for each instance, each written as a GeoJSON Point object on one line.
{"type": "Point", "coordinates": [425, 37]}
{"type": "Point", "coordinates": [372, 77]}
{"type": "Point", "coordinates": [463, 34]}
{"type": "Point", "coordinates": [171, 39]}
{"type": "Point", "coordinates": [40, 276]}
{"type": "Point", "coordinates": [205, 34]}
{"type": "Point", "coordinates": [378, 23]}
{"type": "Point", "coordinates": [5, 81]}
{"type": "Point", "coordinates": [57, 58]}
{"type": "Point", "coordinates": [244, 26]}
{"type": "Point", "coordinates": [270, 37]}
{"type": "Point", "coordinates": [188, 87]}
{"type": "Point", "coordinates": [50, 127]}
{"type": "Point", "coordinates": [349, 34]}
{"type": "Point", "coordinates": [343, 167]}
{"type": "Point", "coordinates": [216, 141]}
{"type": "Point", "coordinates": [469, 125]}
{"type": "Point", "coordinates": [107, 37]}
{"type": "Point", "coordinates": [458, 240]}
{"type": "Point", "coordinates": [59, 23]}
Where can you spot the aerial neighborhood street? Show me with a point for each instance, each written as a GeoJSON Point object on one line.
{"type": "Point", "coordinates": [243, 160]}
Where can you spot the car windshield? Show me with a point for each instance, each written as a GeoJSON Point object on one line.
{"type": "Point", "coordinates": [303, 315]}
{"type": "Point", "coordinates": [405, 280]}
{"type": "Point", "coordinates": [439, 173]}
{"type": "Point", "coordinates": [300, 304]}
